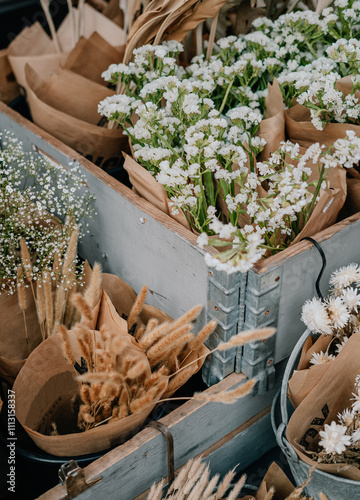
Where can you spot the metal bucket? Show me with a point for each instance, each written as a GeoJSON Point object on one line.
{"type": "Point", "coordinates": [334, 487]}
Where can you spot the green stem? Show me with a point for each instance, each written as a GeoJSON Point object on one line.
{"type": "Point", "coordinates": [226, 96]}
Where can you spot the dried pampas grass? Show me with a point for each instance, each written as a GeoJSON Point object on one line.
{"type": "Point", "coordinates": [195, 483]}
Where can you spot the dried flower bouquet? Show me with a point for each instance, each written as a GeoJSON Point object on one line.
{"type": "Point", "coordinates": [333, 440]}
{"type": "Point", "coordinates": [199, 130]}
{"type": "Point", "coordinates": [44, 208]}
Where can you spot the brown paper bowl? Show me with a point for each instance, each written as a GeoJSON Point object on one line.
{"type": "Point", "coordinates": [45, 382]}
{"type": "Point", "coordinates": [13, 346]}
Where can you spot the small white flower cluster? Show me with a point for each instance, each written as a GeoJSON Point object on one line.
{"type": "Point", "coordinates": [35, 197]}
{"type": "Point", "coordinates": [150, 62]}
{"type": "Point", "coordinates": [343, 438]}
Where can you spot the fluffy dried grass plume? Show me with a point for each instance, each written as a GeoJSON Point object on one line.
{"type": "Point", "coordinates": [118, 382]}
{"type": "Point", "coordinates": [195, 482]}
{"type": "Point", "coordinates": [93, 292]}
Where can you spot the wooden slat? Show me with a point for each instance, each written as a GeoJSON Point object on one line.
{"type": "Point", "coordinates": [287, 254]}
{"type": "Point", "coordinates": [195, 426]}
{"type": "Point", "coordinates": [240, 448]}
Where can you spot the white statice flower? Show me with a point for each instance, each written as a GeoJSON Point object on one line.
{"type": "Point", "coordinates": [334, 438]}
{"type": "Point", "coordinates": [203, 240]}
{"type": "Point", "coordinates": [116, 106]}
{"type": "Point", "coordinates": [346, 151]}
{"type": "Point", "coordinates": [321, 358]}
{"type": "Point", "coordinates": [344, 277]}
{"type": "Point", "coordinates": [245, 117]}
{"type": "Point", "coordinates": [316, 318]}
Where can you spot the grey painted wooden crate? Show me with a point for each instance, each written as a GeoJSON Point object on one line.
{"type": "Point", "coordinates": [134, 240]}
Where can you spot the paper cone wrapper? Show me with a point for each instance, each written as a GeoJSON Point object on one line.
{"type": "Point", "coordinates": [45, 386]}
{"type": "Point", "coordinates": [146, 186]}
{"type": "Point", "coordinates": [62, 105]}
{"type": "Point", "coordinates": [91, 57]}
{"type": "Point", "coordinates": [277, 479]}
{"type": "Point", "coordinates": [9, 88]}
{"type": "Point", "coordinates": [330, 395]}
{"type": "Point", "coordinates": [13, 345]}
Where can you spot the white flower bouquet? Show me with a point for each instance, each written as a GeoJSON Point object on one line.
{"type": "Point", "coordinates": [200, 131]}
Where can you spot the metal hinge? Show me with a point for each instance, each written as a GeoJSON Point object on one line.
{"type": "Point", "coordinates": [73, 477]}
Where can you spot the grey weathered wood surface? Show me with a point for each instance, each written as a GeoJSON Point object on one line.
{"type": "Point", "coordinates": [246, 444]}
{"type": "Point", "coordinates": [134, 466]}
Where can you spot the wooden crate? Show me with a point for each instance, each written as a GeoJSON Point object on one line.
{"type": "Point", "coordinates": [133, 239]}
{"type": "Point", "coordinates": [226, 435]}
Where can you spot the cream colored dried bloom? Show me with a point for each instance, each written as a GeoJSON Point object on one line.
{"type": "Point", "coordinates": [346, 417]}
{"type": "Point", "coordinates": [337, 311]}
{"type": "Point", "coordinates": [315, 317]}
{"type": "Point", "coordinates": [345, 276]}
{"type": "Point", "coordinates": [320, 358]}
{"type": "Point", "coordinates": [333, 438]}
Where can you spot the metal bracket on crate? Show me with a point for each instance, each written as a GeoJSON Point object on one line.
{"type": "Point", "coordinates": [170, 447]}
{"type": "Point", "coordinates": [73, 477]}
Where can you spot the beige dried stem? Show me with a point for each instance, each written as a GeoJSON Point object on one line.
{"type": "Point", "coordinates": [22, 301]}
{"type": "Point", "coordinates": [236, 341]}
{"type": "Point", "coordinates": [72, 22]}
{"type": "Point", "coordinates": [93, 292]}
{"type": "Point", "coordinates": [137, 308]}
{"type": "Point", "coordinates": [45, 4]}
{"type": "Point", "coordinates": [27, 265]}
{"type": "Point", "coordinates": [49, 302]}
{"type": "Point", "coordinates": [81, 20]}
{"type": "Point", "coordinates": [60, 304]}
{"type": "Point", "coordinates": [40, 307]}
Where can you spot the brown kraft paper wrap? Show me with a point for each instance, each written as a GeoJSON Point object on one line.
{"type": "Point", "coordinates": [277, 479]}
{"type": "Point", "coordinates": [9, 88]}
{"type": "Point", "coordinates": [146, 186]}
{"type": "Point", "coordinates": [34, 46]}
{"type": "Point", "coordinates": [272, 128]}
{"type": "Point", "coordinates": [90, 58]}
{"type": "Point", "coordinates": [43, 390]}
{"type": "Point", "coordinates": [13, 345]}
{"type": "Point", "coordinates": [331, 395]}
{"type": "Point", "coordinates": [101, 145]}
{"type": "Point", "coordinates": [301, 130]}
{"type": "Point", "coordinates": [306, 376]}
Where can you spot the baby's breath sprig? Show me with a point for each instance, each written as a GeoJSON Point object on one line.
{"type": "Point", "coordinates": [36, 198]}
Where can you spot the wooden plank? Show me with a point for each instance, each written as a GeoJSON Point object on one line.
{"type": "Point", "coordinates": [300, 247]}
{"type": "Point", "coordinates": [239, 448]}
{"type": "Point", "coordinates": [195, 426]}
